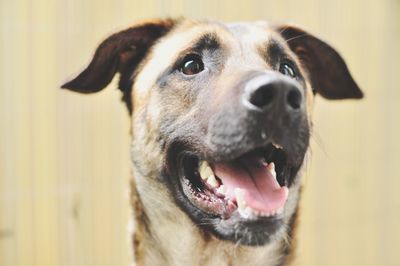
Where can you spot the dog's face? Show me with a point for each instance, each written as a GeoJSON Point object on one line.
{"type": "Point", "coordinates": [221, 117]}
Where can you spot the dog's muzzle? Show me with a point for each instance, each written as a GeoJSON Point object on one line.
{"type": "Point", "coordinates": [265, 108]}
{"type": "Point", "coordinates": [235, 179]}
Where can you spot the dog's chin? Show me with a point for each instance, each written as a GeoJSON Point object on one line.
{"type": "Point", "coordinates": [240, 200]}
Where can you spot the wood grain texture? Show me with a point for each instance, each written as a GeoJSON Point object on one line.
{"type": "Point", "coordinates": [64, 157]}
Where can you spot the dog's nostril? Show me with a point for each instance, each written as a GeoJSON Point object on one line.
{"type": "Point", "coordinates": [294, 98]}
{"type": "Point", "coordinates": [263, 96]}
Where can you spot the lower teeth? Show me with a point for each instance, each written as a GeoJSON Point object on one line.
{"type": "Point", "coordinates": [246, 211]}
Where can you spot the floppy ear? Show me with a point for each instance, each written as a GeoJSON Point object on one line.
{"type": "Point", "coordinates": [327, 70]}
{"type": "Point", "coordinates": [121, 52]}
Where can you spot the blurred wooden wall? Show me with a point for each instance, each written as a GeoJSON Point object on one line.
{"type": "Point", "coordinates": [64, 157]}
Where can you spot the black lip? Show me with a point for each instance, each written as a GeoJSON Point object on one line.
{"type": "Point", "coordinates": [251, 233]}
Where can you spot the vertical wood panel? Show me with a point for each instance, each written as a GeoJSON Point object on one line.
{"type": "Point", "coordinates": [64, 157]}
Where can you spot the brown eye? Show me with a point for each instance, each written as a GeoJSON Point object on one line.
{"type": "Point", "coordinates": [192, 65]}
{"type": "Point", "coordinates": [287, 69]}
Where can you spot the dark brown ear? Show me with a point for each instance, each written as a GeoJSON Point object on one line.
{"type": "Point", "coordinates": [121, 52]}
{"type": "Point", "coordinates": [327, 70]}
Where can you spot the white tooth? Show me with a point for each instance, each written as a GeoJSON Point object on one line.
{"type": "Point", "coordinates": [255, 212]}
{"type": "Point", "coordinates": [271, 168]}
{"type": "Point", "coordinates": [244, 211]}
{"type": "Point", "coordinates": [212, 181]}
{"type": "Point", "coordinates": [277, 145]}
{"type": "Point", "coordinates": [270, 213]}
{"type": "Point", "coordinates": [221, 189]}
{"type": "Point", "coordinates": [205, 170]}
{"type": "Point", "coordinates": [247, 213]}
{"type": "Point", "coordinates": [240, 198]}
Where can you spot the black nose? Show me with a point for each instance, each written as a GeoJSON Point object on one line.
{"type": "Point", "coordinates": [266, 93]}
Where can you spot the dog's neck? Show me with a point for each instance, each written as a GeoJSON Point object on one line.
{"type": "Point", "coordinates": [161, 238]}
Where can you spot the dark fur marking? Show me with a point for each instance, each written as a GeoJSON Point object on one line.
{"type": "Point", "coordinates": [208, 41]}
{"type": "Point", "coordinates": [274, 52]}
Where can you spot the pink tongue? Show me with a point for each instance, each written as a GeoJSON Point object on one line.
{"type": "Point", "coordinates": [261, 190]}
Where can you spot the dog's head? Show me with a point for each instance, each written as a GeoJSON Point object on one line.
{"type": "Point", "coordinates": [221, 116]}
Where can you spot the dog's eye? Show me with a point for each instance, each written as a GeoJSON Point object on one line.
{"type": "Point", "coordinates": [192, 64]}
{"type": "Point", "coordinates": [287, 69]}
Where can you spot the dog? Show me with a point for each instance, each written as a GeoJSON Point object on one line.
{"type": "Point", "coordinates": [221, 119]}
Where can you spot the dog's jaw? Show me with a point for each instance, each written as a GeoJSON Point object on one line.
{"type": "Point", "coordinates": [166, 234]}
{"type": "Point", "coordinates": [259, 221]}
{"type": "Point", "coordinates": [168, 237]}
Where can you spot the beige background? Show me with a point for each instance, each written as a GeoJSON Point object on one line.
{"type": "Point", "coordinates": [64, 156]}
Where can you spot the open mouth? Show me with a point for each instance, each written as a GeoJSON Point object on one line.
{"type": "Point", "coordinates": [254, 185]}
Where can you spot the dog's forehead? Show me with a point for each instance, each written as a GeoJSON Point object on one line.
{"type": "Point", "coordinates": [258, 31]}
{"type": "Point", "coordinates": [243, 37]}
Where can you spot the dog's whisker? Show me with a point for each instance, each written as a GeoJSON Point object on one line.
{"type": "Point", "coordinates": [297, 37]}
{"type": "Point", "coordinates": [283, 29]}
{"type": "Point", "coordinates": [318, 140]}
